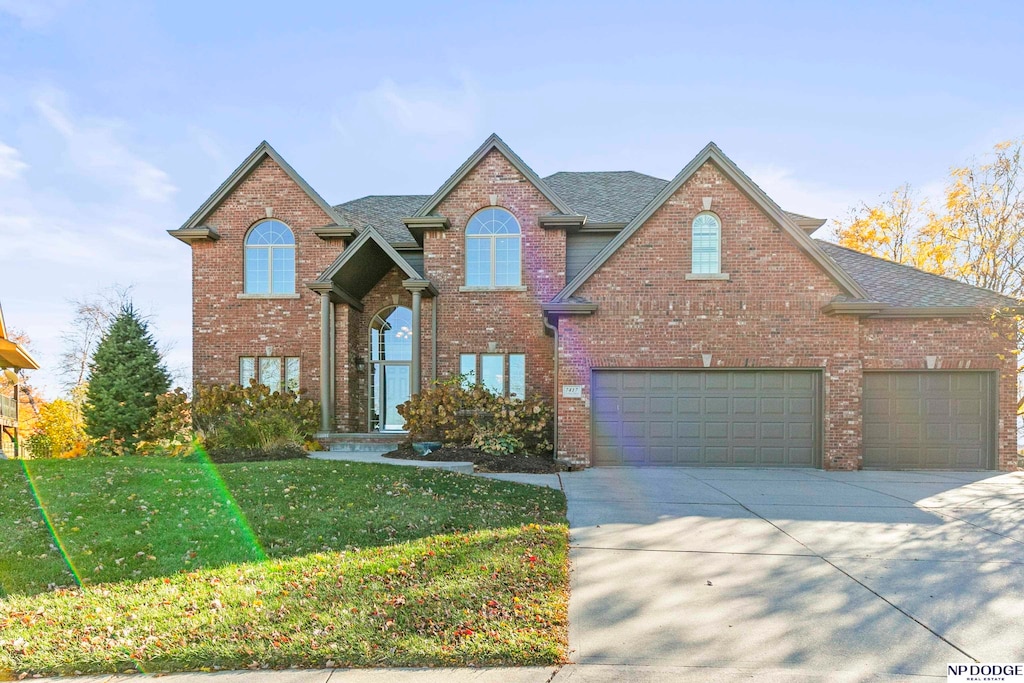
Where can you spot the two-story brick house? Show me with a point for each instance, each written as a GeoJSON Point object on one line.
{"type": "Point", "coordinates": [682, 322]}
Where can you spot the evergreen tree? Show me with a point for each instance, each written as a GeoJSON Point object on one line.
{"type": "Point", "coordinates": [125, 377]}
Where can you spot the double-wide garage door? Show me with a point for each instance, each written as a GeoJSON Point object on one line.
{"type": "Point", "coordinates": [757, 418]}
{"type": "Point", "coordinates": [929, 420]}
{"type": "Point", "coordinates": [772, 418]}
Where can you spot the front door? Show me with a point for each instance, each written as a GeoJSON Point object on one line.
{"type": "Point", "coordinates": [390, 361]}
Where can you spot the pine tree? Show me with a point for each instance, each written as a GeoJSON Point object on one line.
{"type": "Point", "coordinates": [125, 377]}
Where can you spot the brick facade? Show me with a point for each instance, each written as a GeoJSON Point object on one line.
{"type": "Point", "coordinates": [766, 315]}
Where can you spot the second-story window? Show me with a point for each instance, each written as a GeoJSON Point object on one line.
{"type": "Point", "coordinates": [493, 253]}
{"type": "Point", "coordinates": [270, 259]}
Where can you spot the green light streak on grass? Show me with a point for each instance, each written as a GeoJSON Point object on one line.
{"type": "Point", "coordinates": [49, 524]}
{"type": "Point", "coordinates": [248, 535]}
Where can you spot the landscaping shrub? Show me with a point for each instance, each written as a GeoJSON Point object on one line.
{"type": "Point", "coordinates": [457, 415]}
{"type": "Point", "coordinates": [287, 452]}
{"type": "Point", "coordinates": [252, 418]}
{"type": "Point", "coordinates": [169, 431]}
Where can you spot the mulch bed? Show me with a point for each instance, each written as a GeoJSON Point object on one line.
{"type": "Point", "coordinates": [484, 462]}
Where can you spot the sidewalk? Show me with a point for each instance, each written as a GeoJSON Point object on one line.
{"type": "Point", "coordinates": [571, 673]}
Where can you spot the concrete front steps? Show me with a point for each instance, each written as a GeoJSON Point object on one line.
{"type": "Point", "coordinates": [369, 448]}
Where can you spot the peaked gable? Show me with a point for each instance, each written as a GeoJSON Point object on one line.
{"type": "Point", "coordinates": [263, 151]}
{"type": "Point", "coordinates": [492, 142]}
{"type": "Point", "coordinates": [715, 155]}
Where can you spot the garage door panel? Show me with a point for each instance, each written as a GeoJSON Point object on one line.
{"type": "Point", "coordinates": [929, 420]}
{"type": "Point", "coordinates": [716, 380]}
{"type": "Point", "coordinates": [696, 417]}
{"type": "Point", "coordinates": [716, 406]}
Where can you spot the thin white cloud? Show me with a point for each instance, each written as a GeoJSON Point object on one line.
{"type": "Point", "coordinates": [11, 165]}
{"type": "Point", "coordinates": [805, 196]}
{"type": "Point", "coordinates": [33, 13]}
{"type": "Point", "coordinates": [421, 110]}
{"type": "Point", "coordinates": [95, 150]}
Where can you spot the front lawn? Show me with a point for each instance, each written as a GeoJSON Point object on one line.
{"type": "Point", "coordinates": [186, 565]}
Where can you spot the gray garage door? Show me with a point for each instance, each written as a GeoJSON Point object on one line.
{"type": "Point", "coordinates": [929, 420]}
{"type": "Point", "coordinates": [764, 418]}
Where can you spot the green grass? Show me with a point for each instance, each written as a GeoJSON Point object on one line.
{"type": "Point", "coordinates": [185, 565]}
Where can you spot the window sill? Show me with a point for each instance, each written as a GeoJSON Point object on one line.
{"type": "Point", "coordinates": [708, 276]}
{"type": "Point", "coordinates": [514, 288]}
{"type": "Point", "coordinates": [244, 295]}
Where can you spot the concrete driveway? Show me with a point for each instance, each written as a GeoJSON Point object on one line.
{"type": "Point", "coordinates": [797, 572]}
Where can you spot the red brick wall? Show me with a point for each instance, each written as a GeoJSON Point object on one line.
{"type": "Point", "coordinates": [225, 326]}
{"type": "Point", "coordinates": [468, 321]}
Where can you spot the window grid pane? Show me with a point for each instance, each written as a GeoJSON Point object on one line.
{"type": "Point", "coordinates": [291, 375]}
{"type": "Point", "coordinates": [517, 375]}
{"type": "Point", "coordinates": [257, 270]}
{"type": "Point", "coordinates": [478, 261]}
{"type": "Point", "coordinates": [506, 262]}
{"type": "Point", "coordinates": [492, 373]}
{"type": "Point", "coordinates": [467, 368]}
{"type": "Point", "coordinates": [270, 373]}
{"type": "Point", "coordinates": [246, 370]}
{"type": "Point", "coordinates": [283, 271]}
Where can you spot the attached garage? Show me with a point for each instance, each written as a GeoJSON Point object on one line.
{"type": "Point", "coordinates": [713, 418]}
{"type": "Point", "coordinates": [929, 420]}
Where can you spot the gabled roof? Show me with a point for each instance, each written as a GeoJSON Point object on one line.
{"type": "Point", "coordinates": [606, 196]}
{"type": "Point", "coordinates": [362, 264]}
{"type": "Point", "coordinates": [12, 354]}
{"type": "Point", "coordinates": [491, 143]}
{"type": "Point", "coordinates": [715, 155]}
{"type": "Point", "coordinates": [901, 286]}
{"type": "Point", "coordinates": [384, 213]}
{"type": "Point", "coordinates": [262, 151]}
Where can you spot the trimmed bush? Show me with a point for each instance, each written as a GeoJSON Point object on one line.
{"type": "Point", "coordinates": [457, 415]}
{"type": "Point", "coordinates": [252, 418]}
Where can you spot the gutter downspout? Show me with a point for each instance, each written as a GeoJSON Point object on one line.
{"type": "Point", "coordinates": [433, 339]}
{"type": "Point", "coordinates": [554, 331]}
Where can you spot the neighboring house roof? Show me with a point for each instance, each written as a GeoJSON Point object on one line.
{"type": "Point", "coordinates": [12, 354]}
{"type": "Point", "coordinates": [606, 196]}
{"type": "Point", "coordinates": [901, 286]}
{"type": "Point", "coordinates": [262, 151]}
{"type": "Point", "coordinates": [385, 213]}
{"type": "Point", "coordinates": [491, 143]}
{"type": "Point", "coordinates": [711, 153]}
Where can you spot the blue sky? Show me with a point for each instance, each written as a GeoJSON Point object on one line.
{"type": "Point", "coordinates": [117, 119]}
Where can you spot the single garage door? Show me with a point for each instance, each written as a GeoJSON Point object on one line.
{"type": "Point", "coordinates": [929, 420]}
{"type": "Point", "coordinates": [756, 418]}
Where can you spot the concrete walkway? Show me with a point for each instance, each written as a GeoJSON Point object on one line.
{"type": "Point", "coordinates": [376, 458]}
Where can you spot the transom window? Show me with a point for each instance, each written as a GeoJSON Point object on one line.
{"type": "Point", "coordinates": [493, 254]}
{"type": "Point", "coordinates": [270, 259]}
{"type": "Point", "coordinates": [707, 244]}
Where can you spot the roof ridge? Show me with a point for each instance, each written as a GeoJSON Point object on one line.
{"type": "Point", "coordinates": [945, 278]}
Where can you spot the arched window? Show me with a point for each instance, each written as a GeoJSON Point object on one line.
{"type": "Point", "coordinates": [707, 244]}
{"type": "Point", "coordinates": [391, 334]}
{"type": "Point", "coordinates": [493, 254]}
{"type": "Point", "coordinates": [270, 259]}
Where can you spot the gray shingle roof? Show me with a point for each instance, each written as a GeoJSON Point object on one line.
{"type": "Point", "coordinates": [385, 213]}
{"type": "Point", "coordinates": [606, 196]}
{"type": "Point", "coordinates": [894, 284]}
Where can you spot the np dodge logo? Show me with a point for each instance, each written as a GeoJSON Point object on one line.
{"type": "Point", "coordinates": [1003, 673]}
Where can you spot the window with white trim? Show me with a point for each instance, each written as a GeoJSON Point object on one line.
{"type": "Point", "coordinates": [270, 259]}
{"type": "Point", "coordinates": [275, 372]}
{"type": "Point", "coordinates": [706, 247]}
{"type": "Point", "coordinates": [503, 374]}
{"type": "Point", "coordinates": [493, 249]}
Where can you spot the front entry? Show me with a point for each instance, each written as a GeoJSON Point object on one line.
{"type": "Point", "coordinates": [390, 367]}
